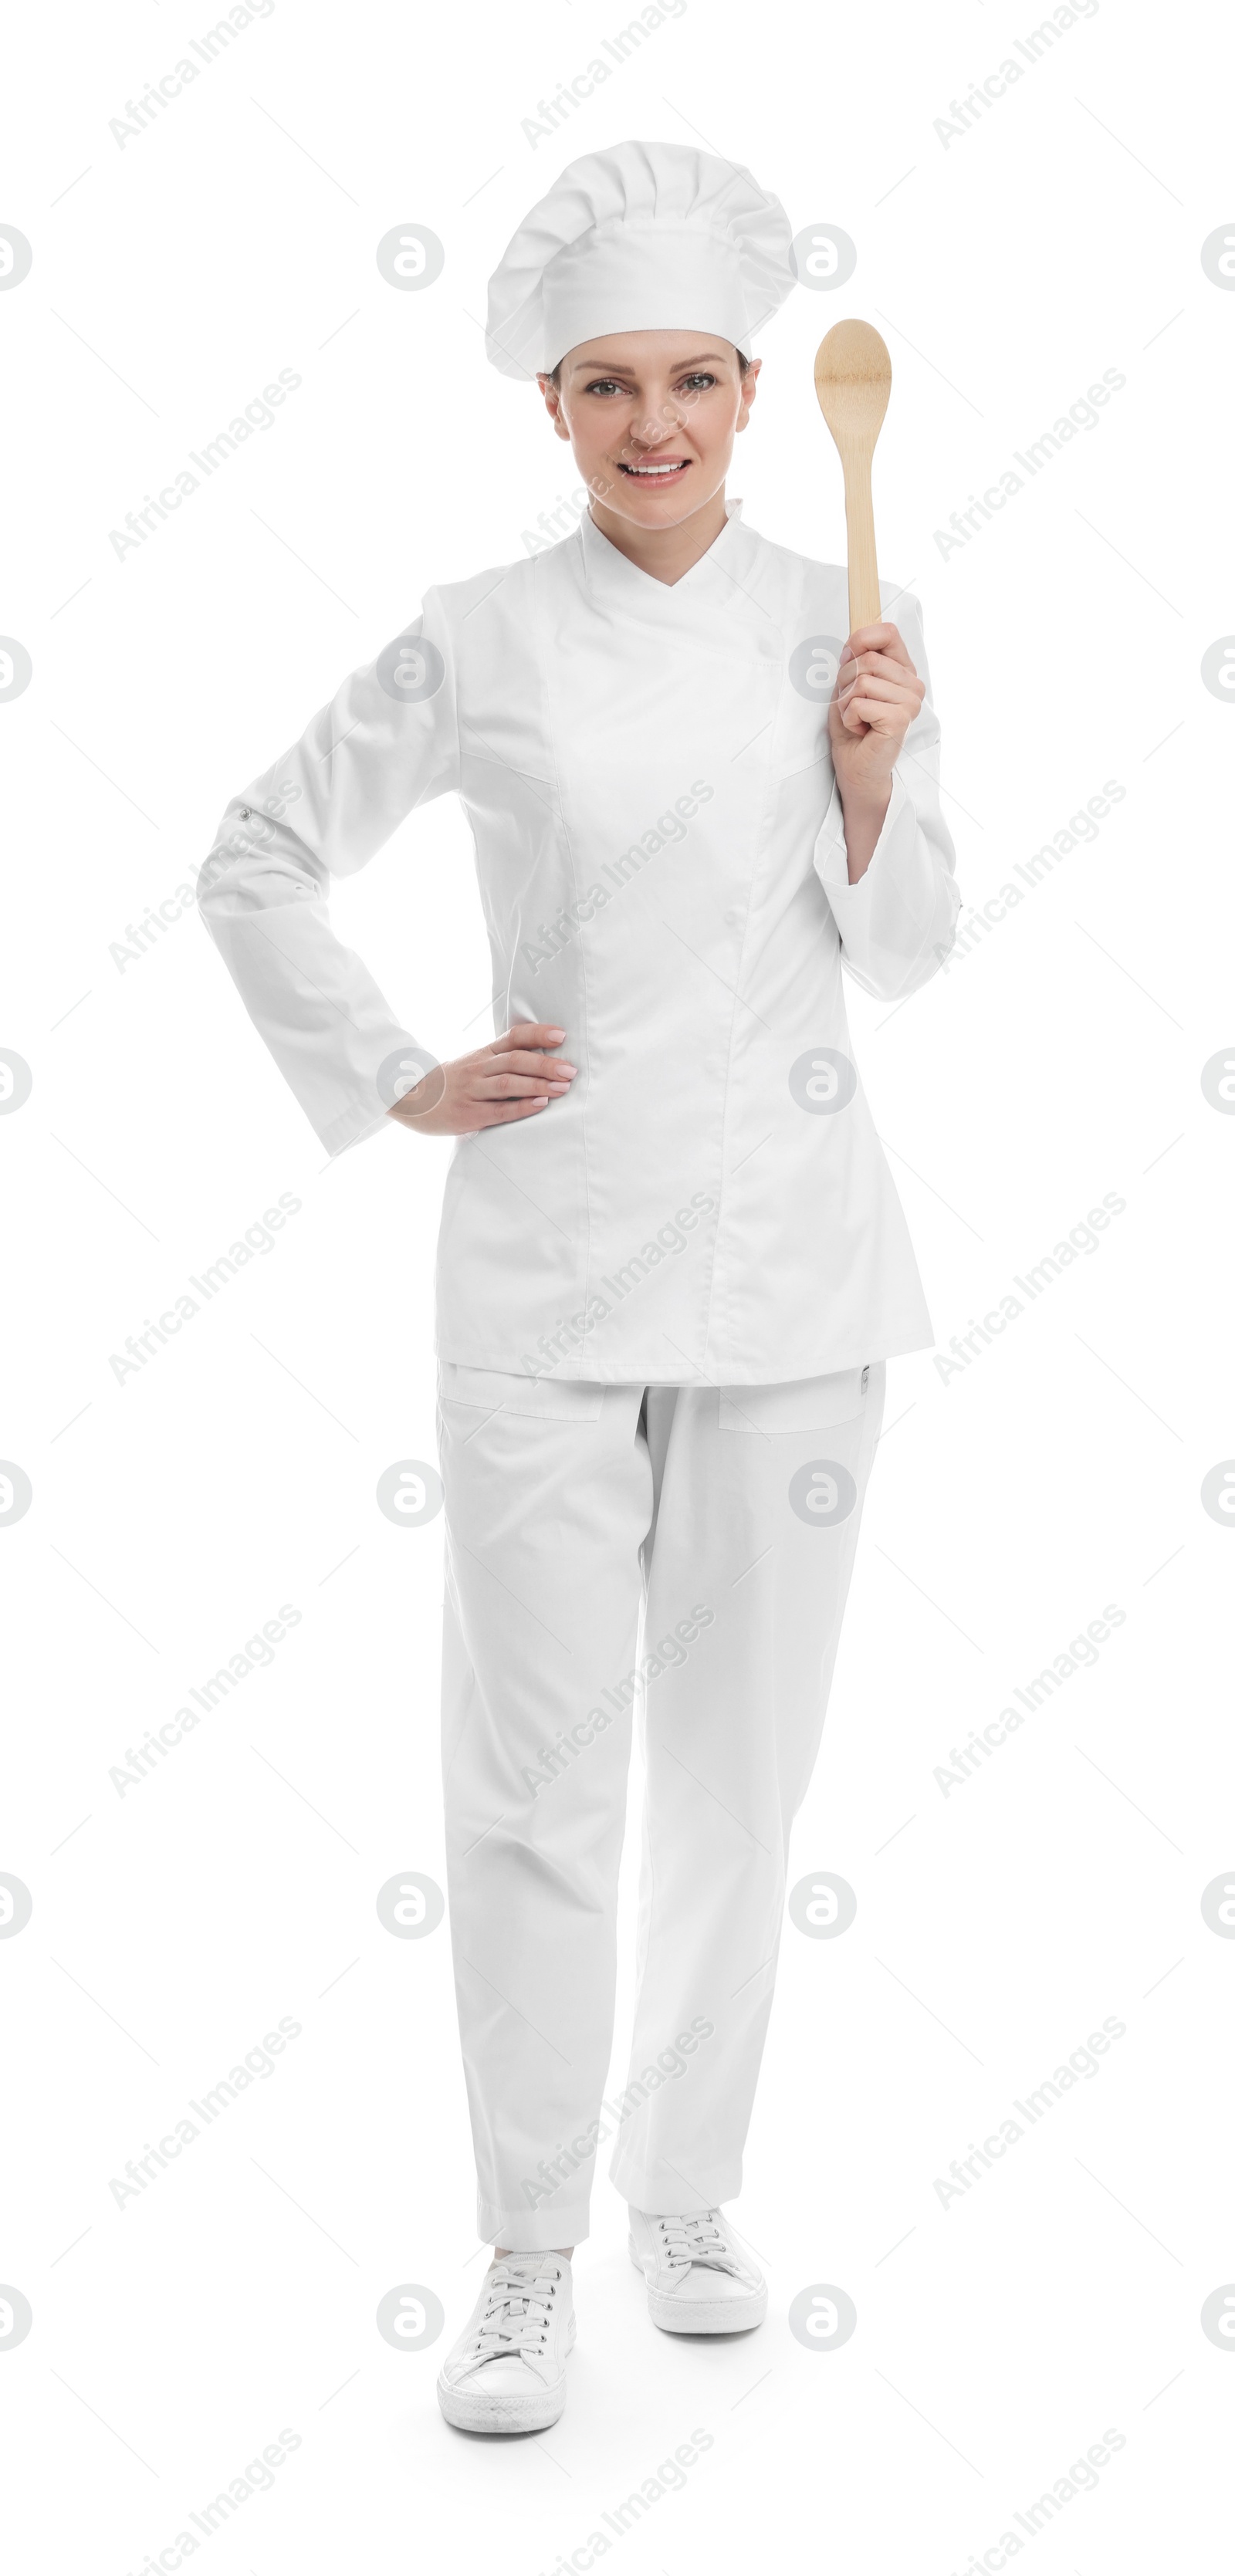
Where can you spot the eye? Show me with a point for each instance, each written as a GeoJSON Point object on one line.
{"type": "Point", "coordinates": [603, 385]}
{"type": "Point", "coordinates": [701, 379]}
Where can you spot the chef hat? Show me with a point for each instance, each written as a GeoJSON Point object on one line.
{"type": "Point", "coordinates": [645, 236]}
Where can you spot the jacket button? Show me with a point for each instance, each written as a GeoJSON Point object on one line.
{"type": "Point", "coordinates": [733, 917]}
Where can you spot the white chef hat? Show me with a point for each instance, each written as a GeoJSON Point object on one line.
{"type": "Point", "coordinates": [645, 236]}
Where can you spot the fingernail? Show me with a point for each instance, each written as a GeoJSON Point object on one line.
{"type": "Point", "coordinates": [557, 1035]}
{"type": "Point", "coordinates": [847, 653]}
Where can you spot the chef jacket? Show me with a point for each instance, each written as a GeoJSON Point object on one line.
{"type": "Point", "coordinates": [660, 850]}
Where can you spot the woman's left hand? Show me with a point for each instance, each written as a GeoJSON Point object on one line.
{"type": "Point", "coordinates": [877, 695]}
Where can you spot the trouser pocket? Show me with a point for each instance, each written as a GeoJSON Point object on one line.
{"type": "Point", "coordinates": [800, 1404]}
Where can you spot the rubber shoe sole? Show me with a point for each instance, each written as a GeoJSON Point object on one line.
{"type": "Point", "coordinates": [702, 2316]}
{"type": "Point", "coordinates": [470, 2411]}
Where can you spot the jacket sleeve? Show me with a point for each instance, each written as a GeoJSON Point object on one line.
{"type": "Point", "coordinates": [388, 741]}
{"type": "Point", "coordinates": [898, 923]}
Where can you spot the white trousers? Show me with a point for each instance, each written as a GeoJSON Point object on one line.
{"type": "Point", "coordinates": [685, 1552]}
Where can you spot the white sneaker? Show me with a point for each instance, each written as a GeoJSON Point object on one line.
{"type": "Point", "coordinates": [507, 2372]}
{"type": "Point", "coordinates": [701, 2278]}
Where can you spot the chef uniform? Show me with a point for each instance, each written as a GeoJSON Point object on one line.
{"type": "Point", "coordinates": [665, 1302]}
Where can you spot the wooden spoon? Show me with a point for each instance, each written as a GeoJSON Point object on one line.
{"type": "Point", "coordinates": [853, 378]}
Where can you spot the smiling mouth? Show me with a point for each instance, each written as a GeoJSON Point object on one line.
{"type": "Point", "coordinates": [663, 472]}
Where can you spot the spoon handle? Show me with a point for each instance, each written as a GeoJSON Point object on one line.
{"type": "Point", "coordinates": [864, 604]}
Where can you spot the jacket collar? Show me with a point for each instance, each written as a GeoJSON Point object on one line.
{"type": "Point", "coordinates": [611, 575]}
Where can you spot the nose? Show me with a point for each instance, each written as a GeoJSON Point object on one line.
{"type": "Point", "coordinates": [665, 424]}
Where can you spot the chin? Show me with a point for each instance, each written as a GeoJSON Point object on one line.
{"type": "Point", "coordinates": [669, 510]}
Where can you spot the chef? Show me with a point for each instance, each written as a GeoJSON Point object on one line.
{"type": "Point", "coordinates": [672, 1262]}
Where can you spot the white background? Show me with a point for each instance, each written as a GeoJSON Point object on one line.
{"type": "Point", "coordinates": [998, 2336]}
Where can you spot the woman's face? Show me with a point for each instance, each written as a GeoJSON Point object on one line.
{"type": "Point", "coordinates": [652, 417]}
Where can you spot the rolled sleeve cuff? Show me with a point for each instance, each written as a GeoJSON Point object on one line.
{"type": "Point", "coordinates": [897, 924]}
{"type": "Point", "coordinates": [353, 1125]}
{"type": "Point", "coordinates": [356, 1108]}
{"type": "Point", "coordinates": [347, 1091]}
{"type": "Point", "coordinates": [831, 852]}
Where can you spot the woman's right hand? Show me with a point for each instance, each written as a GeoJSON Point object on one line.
{"type": "Point", "coordinates": [512, 1077]}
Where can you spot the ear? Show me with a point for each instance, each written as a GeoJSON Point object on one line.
{"type": "Point", "coordinates": [553, 404]}
{"type": "Point", "coordinates": [749, 385]}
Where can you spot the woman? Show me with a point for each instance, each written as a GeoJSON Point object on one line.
{"type": "Point", "coordinates": [672, 1261]}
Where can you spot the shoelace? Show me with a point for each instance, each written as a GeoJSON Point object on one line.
{"type": "Point", "coordinates": [698, 2240]}
{"type": "Point", "coordinates": [518, 2311]}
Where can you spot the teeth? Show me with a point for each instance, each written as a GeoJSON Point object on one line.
{"type": "Point", "coordinates": [657, 472]}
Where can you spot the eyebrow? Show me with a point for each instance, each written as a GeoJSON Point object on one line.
{"type": "Point", "coordinates": [594, 367]}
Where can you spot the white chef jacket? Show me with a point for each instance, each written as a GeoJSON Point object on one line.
{"type": "Point", "coordinates": [661, 857]}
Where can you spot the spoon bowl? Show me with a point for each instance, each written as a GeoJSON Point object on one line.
{"type": "Point", "coordinates": [853, 379]}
